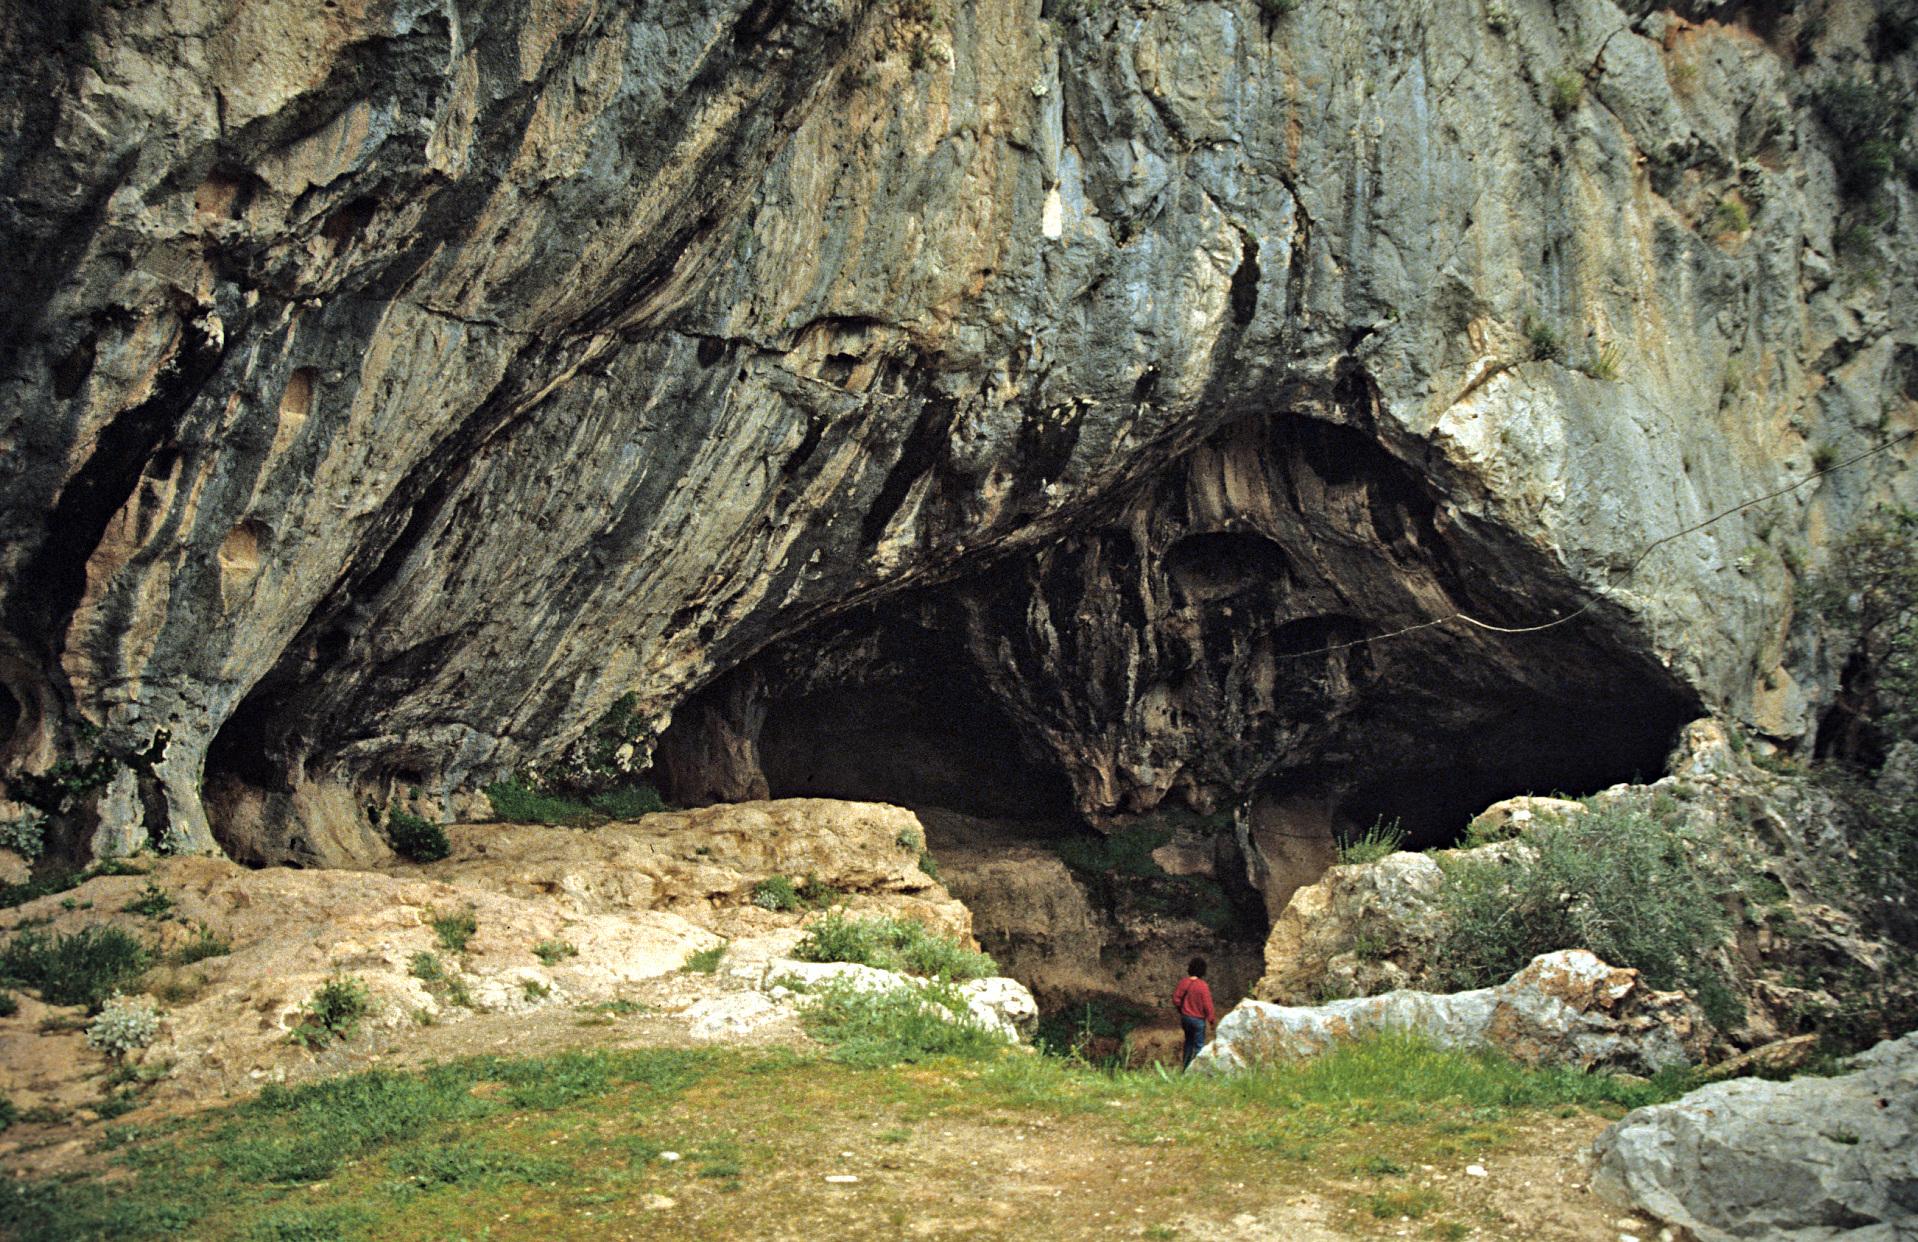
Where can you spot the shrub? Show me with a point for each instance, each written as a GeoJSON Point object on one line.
{"type": "Point", "coordinates": [630, 802]}
{"type": "Point", "coordinates": [891, 944]}
{"type": "Point", "coordinates": [780, 893]}
{"type": "Point", "coordinates": [908, 1023]}
{"type": "Point", "coordinates": [25, 836]}
{"type": "Point", "coordinates": [1614, 881]}
{"type": "Point", "coordinates": [333, 1012]}
{"type": "Point", "coordinates": [84, 968]}
{"type": "Point", "coordinates": [123, 1025]}
{"type": "Point", "coordinates": [518, 801]}
{"type": "Point", "coordinates": [416, 838]}
{"type": "Point", "coordinates": [704, 961]}
{"type": "Point", "coordinates": [9, 1004]}
{"type": "Point", "coordinates": [551, 951]}
{"type": "Point", "coordinates": [454, 928]}
{"type": "Point", "coordinates": [61, 881]}
{"type": "Point", "coordinates": [1379, 840]}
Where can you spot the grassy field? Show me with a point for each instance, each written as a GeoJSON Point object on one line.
{"type": "Point", "coordinates": [700, 1144]}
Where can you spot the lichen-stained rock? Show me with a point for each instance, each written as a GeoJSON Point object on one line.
{"type": "Point", "coordinates": [1831, 1159]}
{"type": "Point", "coordinates": [1355, 932]}
{"type": "Point", "coordinates": [1566, 1008]}
{"type": "Point", "coordinates": [390, 389]}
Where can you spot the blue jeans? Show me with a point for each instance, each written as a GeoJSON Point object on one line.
{"type": "Point", "coordinates": [1194, 1035]}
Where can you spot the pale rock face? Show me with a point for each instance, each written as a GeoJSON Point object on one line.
{"type": "Point", "coordinates": [1566, 1008]}
{"type": "Point", "coordinates": [1816, 1158]}
{"type": "Point", "coordinates": [392, 388]}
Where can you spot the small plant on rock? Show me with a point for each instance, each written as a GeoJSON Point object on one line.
{"type": "Point", "coordinates": [1378, 841]}
{"type": "Point", "coordinates": [123, 1025]}
{"type": "Point", "coordinates": [25, 836]}
{"type": "Point", "coordinates": [84, 968]}
{"type": "Point", "coordinates": [551, 951]}
{"type": "Point", "coordinates": [455, 929]}
{"type": "Point", "coordinates": [333, 1012]}
{"type": "Point", "coordinates": [152, 902]}
{"type": "Point", "coordinates": [891, 944]}
{"type": "Point", "coordinates": [1567, 92]}
{"type": "Point", "coordinates": [776, 892]}
{"type": "Point", "coordinates": [704, 961]}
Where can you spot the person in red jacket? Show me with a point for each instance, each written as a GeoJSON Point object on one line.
{"type": "Point", "coordinates": [1193, 999]}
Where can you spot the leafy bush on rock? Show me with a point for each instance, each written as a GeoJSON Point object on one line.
{"type": "Point", "coordinates": [123, 1025]}
{"type": "Point", "coordinates": [1615, 881]}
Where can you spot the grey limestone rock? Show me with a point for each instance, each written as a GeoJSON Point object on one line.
{"type": "Point", "coordinates": [1811, 1160]}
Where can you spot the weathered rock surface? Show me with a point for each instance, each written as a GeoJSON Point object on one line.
{"type": "Point", "coordinates": [1566, 1008]}
{"type": "Point", "coordinates": [631, 902]}
{"type": "Point", "coordinates": [973, 407]}
{"type": "Point", "coordinates": [1818, 942]}
{"type": "Point", "coordinates": [1812, 1159]}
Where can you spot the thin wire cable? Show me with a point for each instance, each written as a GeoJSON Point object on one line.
{"type": "Point", "coordinates": [1620, 576]}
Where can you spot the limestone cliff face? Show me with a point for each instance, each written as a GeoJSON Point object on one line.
{"type": "Point", "coordinates": [1024, 409]}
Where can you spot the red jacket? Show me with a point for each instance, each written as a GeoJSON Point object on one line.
{"type": "Point", "coordinates": [1193, 999]}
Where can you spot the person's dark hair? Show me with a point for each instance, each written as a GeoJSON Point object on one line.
{"type": "Point", "coordinates": [1196, 968]}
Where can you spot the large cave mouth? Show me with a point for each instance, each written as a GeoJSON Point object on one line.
{"type": "Point", "coordinates": [1569, 749]}
{"type": "Point", "coordinates": [928, 738]}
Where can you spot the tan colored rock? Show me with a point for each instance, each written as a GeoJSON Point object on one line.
{"type": "Point", "coordinates": [632, 901]}
{"type": "Point", "coordinates": [1515, 816]}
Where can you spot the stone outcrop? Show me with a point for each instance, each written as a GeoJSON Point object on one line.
{"type": "Point", "coordinates": [1566, 1008]}
{"type": "Point", "coordinates": [1817, 944]}
{"type": "Point", "coordinates": [630, 901]}
{"type": "Point", "coordinates": [1022, 409]}
{"type": "Point", "coordinates": [1830, 1159]}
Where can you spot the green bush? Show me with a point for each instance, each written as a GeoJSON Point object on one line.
{"type": "Point", "coordinates": [630, 802]}
{"type": "Point", "coordinates": [1568, 91]}
{"type": "Point", "coordinates": [551, 951]}
{"type": "Point", "coordinates": [1378, 841]}
{"type": "Point", "coordinates": [517, 801]}
{"type": "Point", "coordinates": [908, 1023]}
{"type": "Point", "coordinates": [704, 961]}
{"type": "Point", "coordinates": [416, 838]}
{"type": "Point", "coordinates": [1868, 119]}
{"type": "Point", "coordinates": [1615, 881]}
{"type": "Point", "coordinates": [25, 836]}
{"type": "Point", "coordinates": [891, 944]}
{"type": "Point", "coordinates": [333, 1012]}
{"type": "Point", "coordinates": [61, 881]}
{"type": "Point", "coordinates": [1542, 340]}
{"type": "Point", "coordinates": [84, 968]}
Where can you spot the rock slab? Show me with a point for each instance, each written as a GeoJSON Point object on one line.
{"type": "Point", "coordinates": [1566, 1008]}
{"type": "Point", "coordinates": [1818, 1159]}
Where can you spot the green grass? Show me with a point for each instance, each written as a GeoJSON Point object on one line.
{"type": "Point", "coordinates": [455, 929]}
{"type": "Point", "coordinates": [552, 951]}
{"type": "Point", "coordinates": [703, 961]}
{"type": "Point", "coordinates": [891, 944]}
{"type": "Point", "coordinates": [334, 1011]}
{"type": "Point", "coordinates": [903, 1024]}
{"type": "Point", "coordinates": [152, 902]}
{"type": "Point", "coordinates": [61, 881]}
{"type": "Point", "coordinates": [1378, 841]}
{"type": "Point", "coordinates": [82, 968]}
{"type": "Point", "coordinates": [561, 1147]}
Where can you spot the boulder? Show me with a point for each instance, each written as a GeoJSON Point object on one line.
{"type": "Point", "coordinates": [1818, 1159]}
{"type": "Point", "coordinates": [999, 1004]}
{"type": "Point", "coordinates": [1566, 1008]}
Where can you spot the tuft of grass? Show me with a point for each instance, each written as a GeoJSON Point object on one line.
{"type": "Point", "coordinates": [909, 1023]}
{"type": "Point", "coordinates": [1567, 92]}
{"type": "Point", "coordinates": [427, 968]}
{"type": "Point", "coordinates": [1542, 340]}
{"type": "Point", "coordinates": [630, 803]}
{"type": "Point", "coordinates": [454, 928]}
{"type": "Point", "coordinates": [1378, 841]}
{"type": "Point", "coordinates": [1603, 364]}
{"type": "Point", "coordinates": [703, 961]}
{"type": "Point", "coordinates": [551, 951]}
{"type": "Point", "coordinates": [152, 902]}
{"type": "Point", "coordinates": [203, 945]}
{"type": "Point", "coordinates": [1730, 217]}
{"type": "Point", "coordinates": [61, 881]}
{"type": "Point", "coordinates": [891, 944]}
{"type": "Point", "coordinates": [84, 968]}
